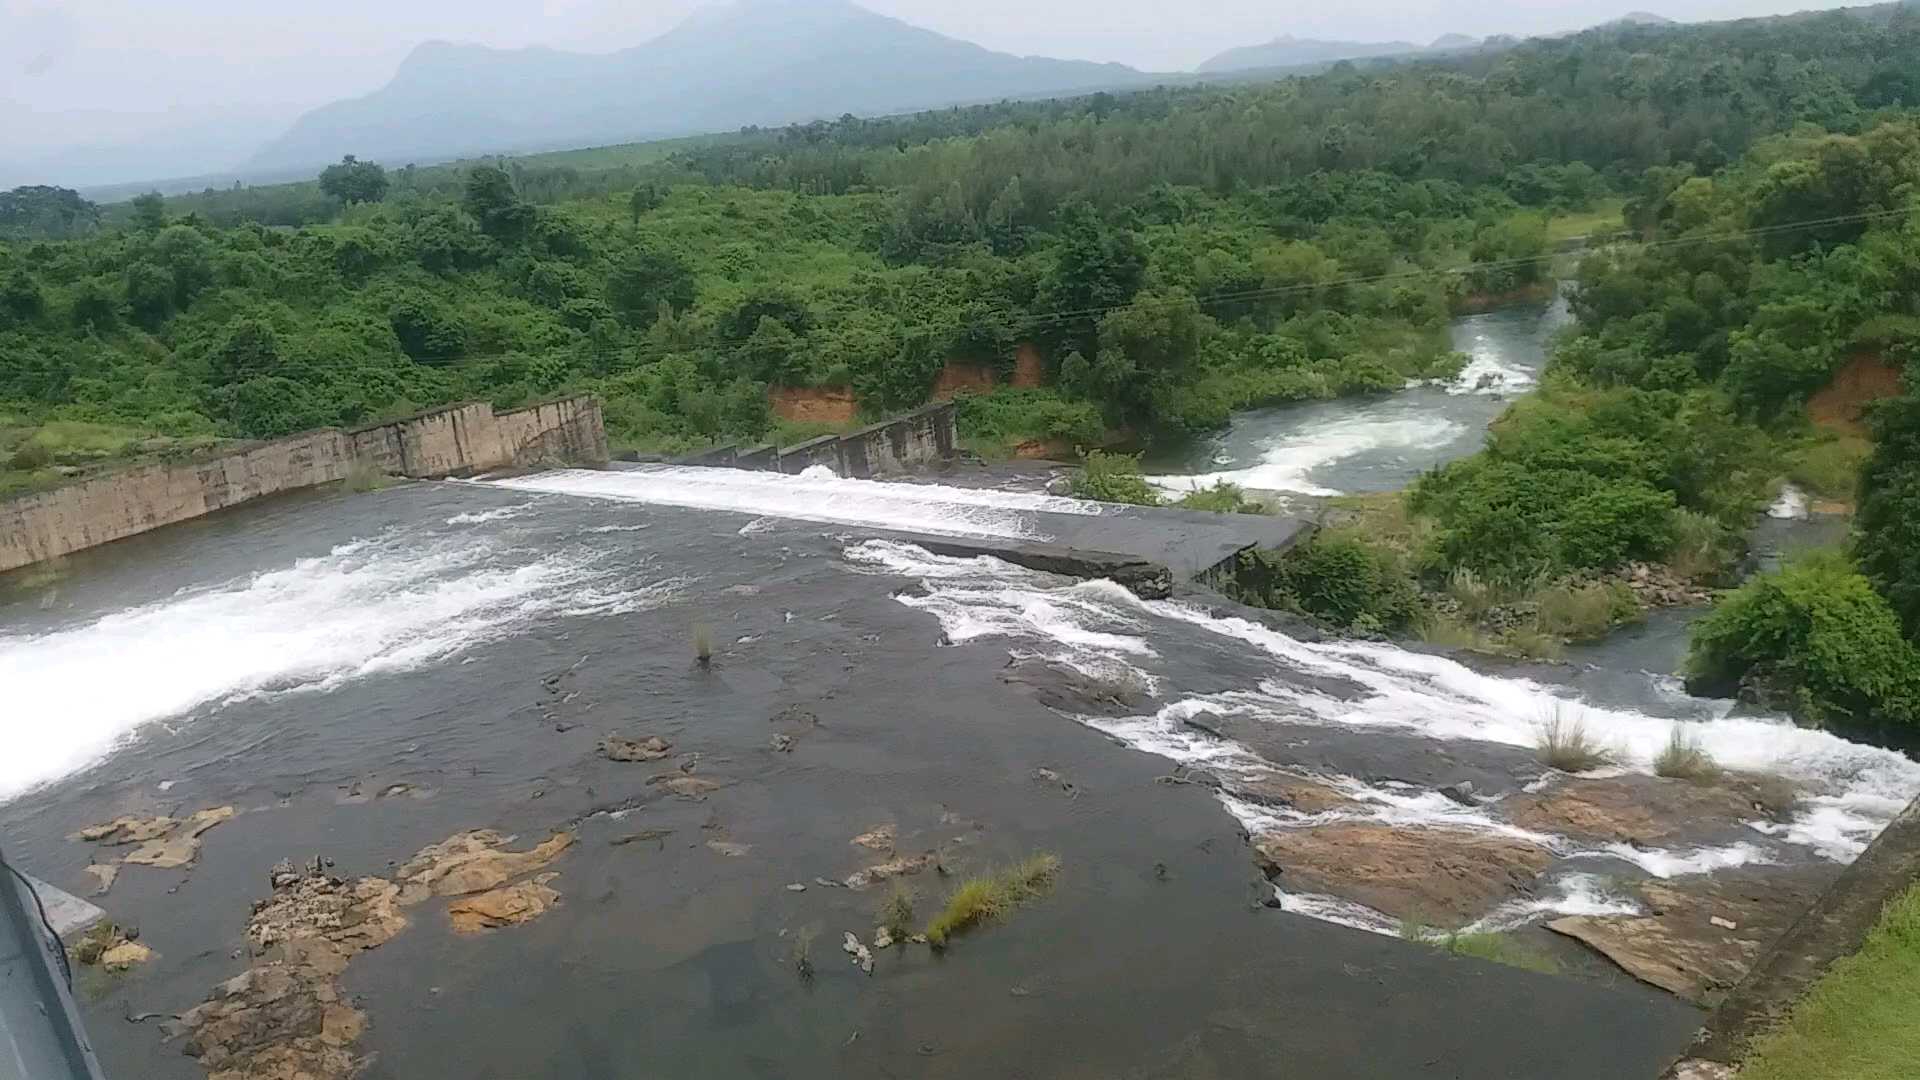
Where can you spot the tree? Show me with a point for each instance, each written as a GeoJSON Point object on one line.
{"type": "Point", "coordinates": [40, 212]}
{"type": "Point", "coordinates": [644, 280]}
{"type": "Point", "coordinates": [21, 301]}
{"type": "Point", "coordinates": [1098, 269]}
{"type": "Point", "coordinates": [495, 203]}
{"type": "Point", "coordinates": [645, 200]}
{"type": "Point", "coordinates": [149, 212]}
{"type": "Point", "coordinates": [1887, 537]}
{"type": "Point", "coordinates": [354, 181]}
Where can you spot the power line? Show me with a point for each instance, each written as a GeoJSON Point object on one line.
{"type": "Point", "coordinates": [643, 353]}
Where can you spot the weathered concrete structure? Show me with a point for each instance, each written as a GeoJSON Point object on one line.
{"type": "Point", "coordinates": [459, 440]}
{"type": "Point", "coordinates": [912, 440]}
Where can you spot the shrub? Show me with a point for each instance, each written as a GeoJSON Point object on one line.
{"type": "Point", "coordinates": [1816, 631]}
{"type": "Point", "coordinates": [1114, 478]}
{"type": "Point", "coordinates": [1475, 594]}
{"type": "Point", "coordinates": [1337, 577]}
{"type": "Point", "coordinates": [1701, 545]}
{"type": "Point", "coordinates": [1566, 745]}
{"type": "Point", "coordinates": [1223, 498]}
{"type": "Point", "coordinates": [1532, 643]}
{"type": "Point", "coordinates": [896, 914]}
{"type": "Point", "coordinates": [1584, 612]}
{"type": "Point", "coordinates": [1683, 759]}
{"type": "Point", "coordinates": [983, 899]}
{"type": "Point", "coordinates": [30, 457]}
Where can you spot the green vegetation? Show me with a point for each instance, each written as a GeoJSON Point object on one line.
{"type": "Point", "coordinates": [1815, 637]}
{"type": "Point", "coordinates": [1114, 478]}
{"type": "Point", "coordinates": [1221, 498]}
{"type": "Point", "coordinates": [703, 645]}
{"type": "Point", "coordinates": [1565, 743]}
{"type": "Point", "coordinates": [993, 896]}
{"type": "Point", "coordinates": [1683, 758]}
{"type": "Point", "coordinates": [896, 912]}
{"type": "Point", "coordinates": [1862, 1019]}
{"type": "Point", "coordinates": [1495, 947]}
{"type": "Point", "coordinates": [1338, 576]}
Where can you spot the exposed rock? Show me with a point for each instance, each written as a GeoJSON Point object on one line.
{"type": "Point", "coordinates": [892, 868]}
{"type": "Point", "coordinates": [125, 955]}
{"type": "Point", "coordinates": [1066, 689]}
{"type": "Point", "coordinates": [729, 849]}
{"type": "Point", "coordinates": [1285, 790]}
{"type": "Point", "coordinates": [781, 744]}
{"type": "Point", "coordinates": [797, 886]}
{"type": "Point", "coordinates": [615, 748]}
{"type": "Point", "coordinates": [878, 838]}
{"type": "Point", "coordinates": [862, 956]}
{"type": "Point", "coordinates": [1701, 933]}
{"type": "Point", "coordinates": [103, 875]}
{"type": "Point", "coordinates": [882, 938]}
{"type": "Point", "coordinates": [1052, 777]}
{"type": "Point", "coordinates": [687, 787]}
{"type": "Point", "coordinates": [127, 830]}
{"type": "Point", "coordinates": [1697, 1069]}
{"type": "Point", "coordinates": [1630, 808]}
{"type": "Point", "coordinates": [794, 720]}
{"type": "Point", "coordinates": [1446, 876]}
{"type": "Point", "coordinates": [1461, 793]}
{"type": "Point", "coordinates": [473, 862]}
{"type": "Point", "coordinates": [182, 846]}
{"type": "Point", "coordinates": [502, 907]}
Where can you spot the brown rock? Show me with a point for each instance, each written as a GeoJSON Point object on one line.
{"type": "Point", "coordinates": [509, 906]}
{"type": "Point", "coordinates": [1447, 877]}
{"type": "Point", "coordinates": [615, 748]}
{"type": "Point", "coordinates": [1627, 808]}
{"type": "Point", "coordinates": [473, 862]}
{"type": "Point", "coordinates": [103, 875]}
{"type": "Point", "coordinates": [1286, 790]}
{"type": "Point", "coordinates": [182, 846]}
{"type": "Point", "coordinates": [125, 955]}
{"type": "Point", "coordinates": [127, 830]}
{"type": "Point", "coordinates": [687, 787]}
{"type": "Point", "coordinates": [892, 868]}
{"type": "Point", "coordinates": [878, 838]}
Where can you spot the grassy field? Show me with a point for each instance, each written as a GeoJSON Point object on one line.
{"type": "Point", "coordinates": [1604, 217]}
{"type": "Point", "coordinates": [1861, 1021]}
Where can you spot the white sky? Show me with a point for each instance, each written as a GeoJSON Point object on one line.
{"type": "Point", "coordinates": [80, 72]}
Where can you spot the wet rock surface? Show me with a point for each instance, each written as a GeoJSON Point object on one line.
{"type": "Point", "coordinates": [507, 906]}
{"type": "Point", "coordinates": [1638, 808]}
{"type": "Point", "coordinates": [1443, 877]}
{"type": "Point", "coordinates": [165, 843]}
{"type": "Point", "coordinates": [615, 748]}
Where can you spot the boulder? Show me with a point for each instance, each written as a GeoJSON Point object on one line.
{"type": "Point", "coordinates": [1447, 877]}
{"type": "Point", "coordinates": [1634, 807]}
{"type": "Point", "coordinates": [615, 748]}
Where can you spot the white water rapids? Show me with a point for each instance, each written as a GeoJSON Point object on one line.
{"type": "Point", "coordinates": [1108, 633]}
{"type": "Point", "coordinates": [393, 603]}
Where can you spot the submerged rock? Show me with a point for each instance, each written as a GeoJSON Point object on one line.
{"type": "Point", "coordinates": [503, 907]}
{"type": "Point", "coordinates": [878, 838]}
{"type": "Point", "coordinates": [127, 830]}
{"type": "Point", "coordinates": [473, 862]}
{"type": "Point", "coordinates": [892, 868]}
{"type": "Point", "coordinates": [182, 846]}
{"type": "Point", "coordinates": [1446, 876]}
{"type": "Point", "coordinates": [103, 875]}
{"type": "Point", "coordinates": [615, 748]}
{"type": "Point", "coordinates": [686, 787]}
{"type": "Point", "coordinates": [1286, 790]}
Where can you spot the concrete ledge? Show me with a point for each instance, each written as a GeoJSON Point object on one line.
{"type": "Point", "coordinates": [1835, 926]}
{"type": "Point", "coordinates": [1145, 578]}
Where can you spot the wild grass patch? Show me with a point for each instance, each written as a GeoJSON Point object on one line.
{"type": "Point", "coordinates": [1583, 612]}
{"type": "Point", "coordinates": [993, 896]}
{"type": "Point", "coordinates": [1683, 758]}
{"type": "Point", "coordinates": [1565, 743]}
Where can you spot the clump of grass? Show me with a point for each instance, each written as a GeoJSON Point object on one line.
{"type": "Point", "coordinates": [896, 912]}
{"type": "Point", "coordinates": [1532, 643]}
{"type": "Point", "coordinates": [702, 645]}
{"type": "Point", "coordinates": [1475, 595]}
{"type": "Point", "coordinates": [1830, 468]}
{"type": "Point", "coordinates": [1114, 478]}
{"type": "Point", "coordinates": [1448, 632]}
{"type": "Point", "coordinates": [1700, 545]}
{"type": "Point", "coordinates": [983, 899]}
{"type": "Point", "coordinates": [1565, 743]}
{"type": "Point", "coordinates": [1583, 612]}
{"type": "Point", "coordinates": [802, 957]}
{"type": "Point", "coordinates": [1221, 498]}
{"type": "Point", "coordinates": [1683, 759]}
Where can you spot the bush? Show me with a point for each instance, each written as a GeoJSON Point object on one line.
{"type": "Point", "coordinates": [1221, 498]}
{"type": "Point", "coordinates": [1337, 577]}
{"type": "Point", "coordinates": [1816, 632]}
{"type": "Point", "coordinates": [1114, 478]}
{"type": "Point", "coordinates": [30, 457]}
{"type": "Point", "coordinates": [1565, 744]}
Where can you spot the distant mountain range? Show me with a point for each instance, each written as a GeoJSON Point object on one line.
{"type": "Point", "coordinates": [751, 62]}
{"type": "Point", "coordinates": [1288, 52]}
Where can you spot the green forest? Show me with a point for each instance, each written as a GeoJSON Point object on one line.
{"type": "Point", "coordinates": [1748, 192]}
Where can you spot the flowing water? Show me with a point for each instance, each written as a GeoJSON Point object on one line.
{"type": "Point", "coordinates": [464, 646]}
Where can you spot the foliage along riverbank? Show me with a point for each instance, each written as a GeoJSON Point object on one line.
{"type": "Point", "coordinates": [1176, 254]}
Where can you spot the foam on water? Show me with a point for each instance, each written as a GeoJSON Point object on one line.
{"type": "Point", "coordinates": [1790, 506]}
{"type": "Point", "coordinates": [392, 603]}
{"type": "Point", "coordinates": [1287, 465]}
{"type": "Point", "coordinates": [818, 496]}
{"type": "Point", "coordinates": [1101, 628]}
{"type": "Point", "coordinates": [1489, 371]}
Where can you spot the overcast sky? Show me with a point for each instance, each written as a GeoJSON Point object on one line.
{"type": "Point", "coordinates": [75, 73]}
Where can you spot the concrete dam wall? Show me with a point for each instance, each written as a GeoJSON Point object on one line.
{"type": "Point", "coordinates": [459, 440]}
{"type": "Point", "coordinates": [924, 436]}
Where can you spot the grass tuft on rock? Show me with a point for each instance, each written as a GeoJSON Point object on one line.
{"type": "Point", "coordinates": [1565, 743]}
{"type": "Point", "coordinates": [993, 896]}
{"type": "Point", "coordinates": [896, 912]}
{"type": "Point", "coordinates": [702, 645]}
{"type": "Point", "coordinates": [1683, 758]}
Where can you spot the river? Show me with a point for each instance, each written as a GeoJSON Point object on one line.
{"type": "Point", "coordinates": [465, 646]}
